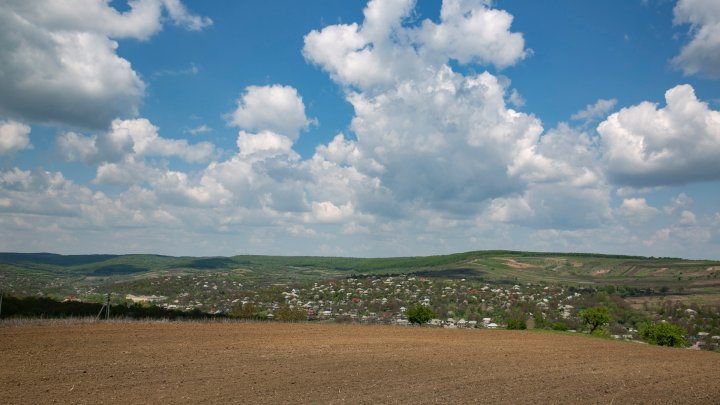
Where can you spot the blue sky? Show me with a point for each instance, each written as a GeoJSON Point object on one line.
{"type": "Point", "coordinates": [359, 128]}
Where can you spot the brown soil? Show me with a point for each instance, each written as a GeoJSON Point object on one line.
{"type": "Point", "coordinates": [516, 264]}
{"type": "Point", "coordinates": [284, 363]}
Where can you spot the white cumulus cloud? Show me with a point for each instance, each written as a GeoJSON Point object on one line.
{"type": "Point", "coordinates": [637, 210]}
{"type": "Point", "coordinates": [326, 211]}
{"type": "Point", "coordinates": [59, 62]}
{"type": "Point", "coordinates": [275, 108]}
{"type": "Point", "coordinates": [701, 56]}
{"type": "Point", "coordinates": [383, 50]}
{"type": "Point", "coordinates": [644, 145]}
{"type": "Point", "coordinates": [138, 137]}
{"type": "Point", "coordinates": [14, 136]}
{"type": "Point", "coordinates": [471, 31]}
{"type": "Point", "coordinates": [266, 144]}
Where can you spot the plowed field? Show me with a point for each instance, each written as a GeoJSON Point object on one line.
{"type": "Point", "coordinates": [163, 363]}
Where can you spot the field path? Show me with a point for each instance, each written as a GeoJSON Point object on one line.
{"type": "Point", "coordinates": [164, 363]}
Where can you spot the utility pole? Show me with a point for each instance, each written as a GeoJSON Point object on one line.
{"type": "Point", "coordinates": [107, 317]}
{"type": "Point", "coordinates": [106, 308]}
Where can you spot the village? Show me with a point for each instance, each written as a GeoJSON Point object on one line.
{"type": "Point", "coordinates": [456, 303]}
{"type": "Point", "coordinates": [462, 303]}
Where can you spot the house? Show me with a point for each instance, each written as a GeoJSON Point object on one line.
{"type": "Point", "coordinates": [472, 324]}
{"type": "Point", "coordinates": [435, 322]}
{"type": "Point", "coordinates": [492, 325]}
{"type": "Point", "coordinates": [461, 323]}
{"type": "Point", "coordinates": [144, 298]}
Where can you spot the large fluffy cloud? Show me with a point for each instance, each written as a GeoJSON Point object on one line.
{"type": "Point", "coordinates": [432, 137]}
{"type": "Point", "coordinates": [702, 55]}
{"type": "Point", "coordinates": [442, 143]}
{"type": "Point", "coordinates": [443, 139]}
{"type": "Point", "coordinates": [58, 60]}
{"type": "Point", "coordinates": [644, 145]}
{"type": "Point", "coordinates": [383, 50]}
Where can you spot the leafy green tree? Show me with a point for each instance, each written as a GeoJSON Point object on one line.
{"type": "Point", "coordinates": [420, 314]}
{"type": "Point", "coordinates": [663, 334]}
{"type": "Point", "coordinates": [595, 317]}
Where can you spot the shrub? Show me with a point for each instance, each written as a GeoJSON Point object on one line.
{"type": "Point", "coordinates": [420, 314]}
{"type": "Point", "coordinates": [663, 334]}
{"type": "Point", "coordinates": [287, 314]}
{"type": "Point", "coordinates": [540, 321]}
{"type": "Point", "coordinates": [517, 324]}
{"type": "Point", "coordinates": [560, 326]}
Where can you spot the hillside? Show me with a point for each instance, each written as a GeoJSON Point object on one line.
{"type": "Point", "coordinates": [543, 290]}
{"type": "Point", "coordinates": [50, 274]}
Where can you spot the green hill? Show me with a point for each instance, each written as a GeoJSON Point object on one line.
{"type": "Point", "coordinates": [51, 274]}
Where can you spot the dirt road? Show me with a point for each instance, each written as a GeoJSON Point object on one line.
{"type": "Point", "coordinates": [162, 363]}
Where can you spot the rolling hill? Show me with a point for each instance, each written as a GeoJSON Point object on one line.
{"type": "Point", "coordinates": [45, 273]}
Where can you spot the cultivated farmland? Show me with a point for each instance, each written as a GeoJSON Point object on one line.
{"type": "Point", "coordinates": [329, 363]}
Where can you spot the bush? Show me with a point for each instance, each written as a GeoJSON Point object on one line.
{"type": "Point", "coordinates": [663, 334]}
{"type": "Point", "coordinates": [420, 314]}
{"type": "Point", "coordinates": [560, 326]}
{"type": "Point", "coordinates": [287, 314]}
{"type": "Point", "coordinates": [517, 324]}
